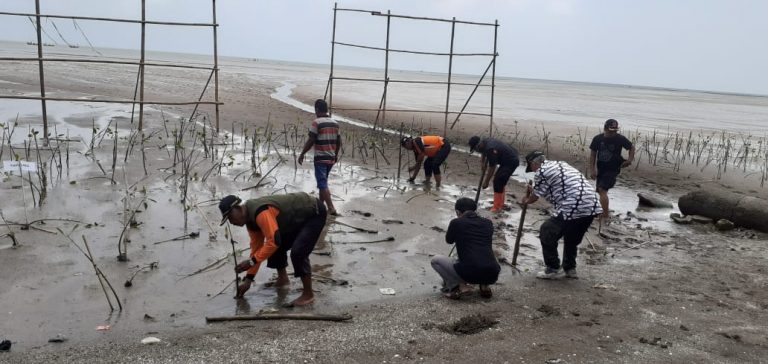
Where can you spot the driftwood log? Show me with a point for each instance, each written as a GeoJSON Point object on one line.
{"type": "Point", "coordinates": [280, 316]}
{"type": "Point", "coordinates": [746, 211]}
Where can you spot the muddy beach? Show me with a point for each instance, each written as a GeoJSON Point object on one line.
{"type": "Point", "coordinates": [650, 290]}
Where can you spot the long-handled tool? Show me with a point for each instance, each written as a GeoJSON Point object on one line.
{"type": "Point", "coordinates": [480, 184]}
{"type": "Point", "coordinates": [234, 256]}
{"type": "Point", "coordinates": [520, 227]}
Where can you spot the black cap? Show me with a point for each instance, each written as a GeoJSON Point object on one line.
{"type": "Point", "coordinates": [611, 124]}
{"type": "Point", "coordinates": [473, 142]}
{"type": "Point", "coordinates": [531, 156]}
{"type": "Point", "coordinates": [226, 205]}
{"type": "Point", "coordinates": [465, 204]}
{"type": "Point", "coordinates": [405, 140]}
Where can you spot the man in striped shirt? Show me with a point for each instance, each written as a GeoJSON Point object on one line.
{"type": "Point", "coordinates": [576, 205]}
{"type": "Point", "coordinates": [324, 136]}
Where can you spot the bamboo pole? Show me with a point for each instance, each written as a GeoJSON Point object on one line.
{"type": "Point", "coordinates": [118, 20]}
{"type": "Point", "coordinates": [472, 94]}
{"type": "Point", "coordinates": [280, 316]}
{"type": "Point", "coordinates": [333, 48]}
{"type": "Point", "coordinates": [386, 73]}
{"type": "Point", "coordinates": [493, 73]}
{"type": "Point", "coordinates": [42, 73]}
{"type": "Point", "coordinates": [109, 101]}
{"type": "Point", "coordinates": [215, 65]}
{"type": "Point", "coordinates": [141, 64]}
{"type": "Point", "coordinates": [450, 73]}
{"type": "Point", "coordinates": [102, 61]}
{"type": "Point", "coordinates": [399, 153]}
{"type": "Point", "coordinates": [413, 52]}
{"type": "Point", "coordinates": [378, 13]}
{"type": "Point", "coordinates": [408, 81]}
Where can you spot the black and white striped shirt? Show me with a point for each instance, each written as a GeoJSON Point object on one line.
{"type": "Point", "coordinates": [567, 190]}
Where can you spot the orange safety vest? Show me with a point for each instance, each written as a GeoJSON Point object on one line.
{"type": "Point", "coordinates": [432, 144]}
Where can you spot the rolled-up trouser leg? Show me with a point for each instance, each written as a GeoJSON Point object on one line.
{"type": "Point", "coordinates": [444, 267]}
{"type": "Point", "coordinates": [305, 242]}
{"type": "Point", "coordinates": [279, 259]}
{"type": "Point", "coordinates": [502, 177]}
{"type": "Point", "coordinates": [574, 233]}
{"type": "Point", "coordinates": [550, 233]}
{"type": "Point", "coordinates": [429, 168]}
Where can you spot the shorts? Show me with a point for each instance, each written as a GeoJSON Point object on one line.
{"type": "Point", "coordinates": [301, 244]}
{"type": "Point", "coordinates": [606, 179]}
{"type": "Point", "coordinates": [502, 177]}
{"type": "Point", "coordinates": [432, 164]}
{"type": "Point", "coordinates": [322, 170]}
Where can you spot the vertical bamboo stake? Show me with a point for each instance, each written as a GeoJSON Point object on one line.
{"type": "Point", "coordinates": [330, 78]}
{"type": "Point", "coordinates": [450, 71]}
{"type": "Point", "coordinates": [399, 153]}
{"type": "Point", "coordinates": [141, 63]}
{"type": "Point", "coordinates": [386, 74]}
{"type": "Point", "coordinates": [216, 64]}
{"type": "Point", "coordinates": [493, 73]}
{"type": "Point", "coordinates": [40, 67]}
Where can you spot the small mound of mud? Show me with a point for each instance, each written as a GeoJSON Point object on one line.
{"type": "Point", "coordinates": [469, 325]}
{"type": "Point", "coordinates": [548, 310]}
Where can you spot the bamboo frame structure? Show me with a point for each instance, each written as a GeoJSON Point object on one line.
{"type": "Point", "coordinates": [141, 63]}
{"type": "Point", "coordinates": [382, 110]}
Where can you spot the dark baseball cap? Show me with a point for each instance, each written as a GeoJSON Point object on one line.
{"type": "Point", "coordinates": [473, 142]}
{"type": "Point", "coordinates": [531, 156]}
{"type": "Point", "coordinates": [226, 205]}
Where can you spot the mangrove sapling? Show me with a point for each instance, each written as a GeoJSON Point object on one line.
{"type": "Point", "coordinates": [99, 274]}
{"type": "Point", "coordinates": [192, 235]}
{"type": "Point", "coordinates": [150, 266]}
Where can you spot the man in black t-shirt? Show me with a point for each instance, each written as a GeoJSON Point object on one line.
{"type": "Point", "coordinates": [495, 153]}
{"type": "Point", "coordinates": [606, 155]}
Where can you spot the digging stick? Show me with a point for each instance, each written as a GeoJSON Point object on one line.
{"type": "Point", "coordinates": [234, 256]}
{"type": "Point", "coordinates": [520, 228]}
{"type": "Point", "coordinates": [399, 153]}
{"type": "Point", "coordinates": [280, 316]}
{"type": "Point", "coordinates": [480, 184]}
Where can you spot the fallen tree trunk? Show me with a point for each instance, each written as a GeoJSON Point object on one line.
{"type": "Point", "coordinates": [280, 316]}
{"type": "Point", "coordinates": [746, 211]}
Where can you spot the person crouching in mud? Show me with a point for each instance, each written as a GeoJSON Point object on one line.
{"type": "Point", "coordinates": [275, 225]}
{"type": "Point", "coordinates": [476, 264]}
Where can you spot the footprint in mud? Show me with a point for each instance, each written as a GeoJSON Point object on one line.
{"type": "Point", "coordinates": [467, 325]}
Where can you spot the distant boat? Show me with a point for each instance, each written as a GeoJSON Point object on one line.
{"type": "Point", "coordinates": [44, 44]}
{"type": "Point", "coordinates": [74, 46]}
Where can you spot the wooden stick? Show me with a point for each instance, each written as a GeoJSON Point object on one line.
{"type": "Point", "coordinates": [520, 229]}
{"type": "Point", "coordinates": [281, 316]}
{"type": "Point", "coordinates": [355, 227]}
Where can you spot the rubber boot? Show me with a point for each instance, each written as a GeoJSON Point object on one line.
{"type": "Point", "coordinates": [498, 201]}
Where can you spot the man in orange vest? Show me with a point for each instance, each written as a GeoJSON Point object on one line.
{"type": "Point", "coordinates": [434, 149]}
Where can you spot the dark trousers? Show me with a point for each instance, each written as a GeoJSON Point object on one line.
{"type": "Point", "coordinates": [432, 164]}
{"type": "Point", "coordinates": [502, 176]}
{"type": "Point", "coordinates": [300, 245]}
{"type": "Point", "coordinates": [572, 232]}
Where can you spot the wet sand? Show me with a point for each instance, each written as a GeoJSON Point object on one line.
{"type": "Point", "coordinates": [699, 290]}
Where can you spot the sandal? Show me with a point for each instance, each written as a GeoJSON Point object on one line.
{"type": "Point", "coordinates": [457, 293]}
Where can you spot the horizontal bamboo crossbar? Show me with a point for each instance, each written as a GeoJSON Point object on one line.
{"type": "Point", "coordinates": [415, 52]}
{"type": "Point", "coordinates": [414, 111]}
{"type": "Point", "coordinates": [172, 103]}
{"type": "Point", "coordinates": [80, 60]}
{"type": "Point", "coordinates": [378, 13]}
{"type": "Point", "coordinates": [408, 81]}
{"type": "Point", "coordinates": [110, 19]}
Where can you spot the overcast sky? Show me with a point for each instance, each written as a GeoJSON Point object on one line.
{"type": "Point", "coordinates": [717, 45]}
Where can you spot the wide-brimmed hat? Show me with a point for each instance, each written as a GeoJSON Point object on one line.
{"type": "Point", "coordinates": [530, 157]}
{"type": "Point", "coordinates": [226, 205]}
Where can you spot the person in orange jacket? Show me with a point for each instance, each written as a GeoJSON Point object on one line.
{"type": "Point", "coordinates": [276, 224]}
{"type": "Point", "coordinates": [496, 153]}
{"type": "Point", "coordinates": [432, 150]}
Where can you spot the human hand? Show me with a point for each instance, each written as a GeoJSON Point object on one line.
{"type": "Point", "coordinates": [626, 164]}
{"type": "Point", "coordinates": [485, 185]}
{"type": "Point", "coordinates": [412, 180]}
{"type": "Point", "coordinates": [592, 174]}
{"type": "Point", "coordinates": [243, 287]}
{"type": "Point", "coordinates": [300, 158]}
{"type": "Point", "coordinates": [243, 266]}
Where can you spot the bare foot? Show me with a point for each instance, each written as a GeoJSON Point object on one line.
{"type": "Point", "coordinates": [282, 282]}
{"type": "Point", "coordinates": [302, 301]}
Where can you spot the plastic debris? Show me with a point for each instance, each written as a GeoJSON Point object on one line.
{"type": "Point", "coordinates": [149, 340]}
{"type": "Point", "coordinates": [387, 291]}
{"type": "Point", "coordinates": [103, 328]}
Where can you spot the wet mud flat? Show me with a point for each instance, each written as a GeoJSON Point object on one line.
{"type": "Point", "coordinates": [649, 290]}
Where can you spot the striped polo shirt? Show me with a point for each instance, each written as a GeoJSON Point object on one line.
{"type": "Point", "coordinates": [569, 192]}
{"type": "Point", "coordinates": [326, 133]}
